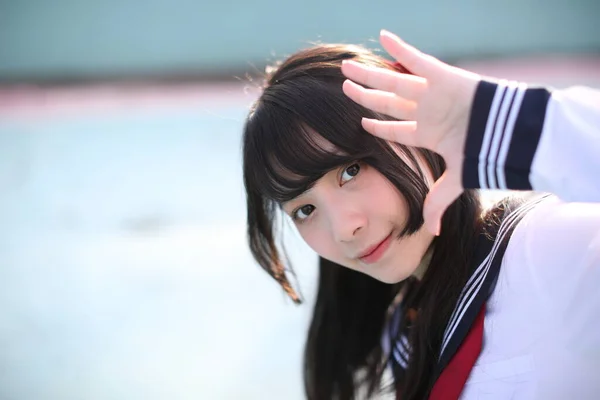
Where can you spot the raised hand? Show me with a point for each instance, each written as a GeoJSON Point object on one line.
{"type": "Point", "coordinates": [432, 107]}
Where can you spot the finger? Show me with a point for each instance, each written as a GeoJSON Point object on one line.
{"type": "Point", "coordinates": [407, 86]}
{"type": "Point", "coordinates": [443, 192]}
{"type": "Point", "coordinates": [415, 61]}
{"type": "Point", "coordinates": [402, 132]}
{"type": "Point", "coordinates": [382, 102]}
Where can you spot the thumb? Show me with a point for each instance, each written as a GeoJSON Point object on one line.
{"type": "Point", "coordinates": [443, 192]}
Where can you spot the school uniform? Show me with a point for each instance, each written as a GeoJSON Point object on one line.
{"type": "Point", "coordinates": [527, 324]}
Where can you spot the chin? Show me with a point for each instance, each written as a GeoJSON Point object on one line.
{"type": "Point", "coordinates": [392, 277]}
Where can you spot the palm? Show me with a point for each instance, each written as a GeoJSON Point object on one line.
{"type": "Point", "coordinates": [431, 121]}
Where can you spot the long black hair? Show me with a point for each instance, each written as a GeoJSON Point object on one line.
{"type": "Point", "coordinates": [301, 127]}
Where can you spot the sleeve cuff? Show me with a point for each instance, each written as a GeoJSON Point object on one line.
{"type": "Point", "coordinates": [504, 130]}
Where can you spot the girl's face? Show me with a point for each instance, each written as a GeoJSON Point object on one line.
{"type": "Point", "coordinates": [353, 216]}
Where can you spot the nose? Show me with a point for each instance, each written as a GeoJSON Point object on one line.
{"type": "Point", "coordinates": [346, 221]}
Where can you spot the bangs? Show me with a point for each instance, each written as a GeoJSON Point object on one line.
{"type": "Point", "coordinates": [294, 162]}
{"type": "Point", "coordinates": [292, 141]}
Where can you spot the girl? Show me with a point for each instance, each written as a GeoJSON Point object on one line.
{"type": "Point", "coordinates": [463, 301]}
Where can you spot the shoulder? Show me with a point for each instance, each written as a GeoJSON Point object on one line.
{"type": "Point", "coordinates": [557, 227]}
{"type": "Point", "coordinates": [554, 249]}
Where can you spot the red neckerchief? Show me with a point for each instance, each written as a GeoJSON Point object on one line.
{"type": "Point", "coordinates": [453, 378]}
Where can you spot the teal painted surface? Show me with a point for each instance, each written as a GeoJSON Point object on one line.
{"type": "Point", "coordinates": [98, 38]}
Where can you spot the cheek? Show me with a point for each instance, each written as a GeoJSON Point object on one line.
{"type": "Point", "coordinates": [382, 198]}
{"type": "Point", "coordinates": [317, 240]}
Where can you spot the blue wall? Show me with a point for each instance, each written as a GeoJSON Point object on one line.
{"type": "Point", "coordinates": [52, 38]}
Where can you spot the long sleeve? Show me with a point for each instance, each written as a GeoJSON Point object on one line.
{"type": "Point", "coordinates": [534, 139]}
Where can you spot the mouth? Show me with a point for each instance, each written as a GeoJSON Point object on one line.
{"type": "Point", "coordinates": [374, 253]}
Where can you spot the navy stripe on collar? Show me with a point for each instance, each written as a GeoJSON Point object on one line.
{"type": "Point", "coordinates": [489, 254]}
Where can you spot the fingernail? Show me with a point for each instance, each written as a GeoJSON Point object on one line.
{"type": "Point", "coordinates": [349, 82]}
{"type": "Point", "coordinates": [385, 32]}
{"type": "Point", "coordinates": [367, 121]}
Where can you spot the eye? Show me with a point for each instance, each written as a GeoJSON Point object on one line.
{"type": "Point", "coordinates": [303, 212]}
{"type": "Point", "coordinates": [349, 172]}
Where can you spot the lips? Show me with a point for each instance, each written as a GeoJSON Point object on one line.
{"type": "Point", "coordinates": [374, 253]}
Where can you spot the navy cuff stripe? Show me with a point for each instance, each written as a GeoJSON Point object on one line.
{"type": "Point", "coordinates": [500, 180]}
{"type": "Point", "coordinates": [490, 153]}
{"type": "Point", "coordinates": [482, 103]}
{"type": "Point", "coordinates": [526, 137]}
{"type": "Point", "coordinates": [504, 130]}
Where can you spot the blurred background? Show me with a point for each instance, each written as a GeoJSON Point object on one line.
{"type": "Point", "coordinates": [124, 272]}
